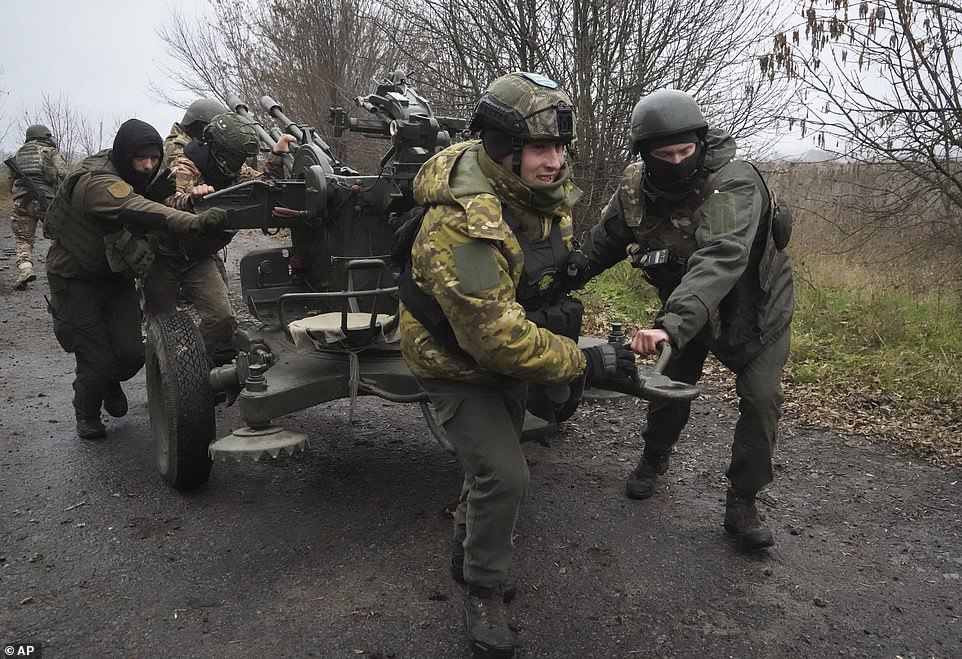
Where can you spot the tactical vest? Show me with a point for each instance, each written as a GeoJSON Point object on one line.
{"type": "Point", "coordinates": [666, 227]}
{"type": "Point", "coordinates": [674, 230]}
{"type": "Point", "coordinates": [29, 159]}
{"type": "Point", "coordinates": [540, 290]}
{"type": "Point", "coordinates": [71, 227]}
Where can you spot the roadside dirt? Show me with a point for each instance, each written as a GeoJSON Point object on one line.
{"type": "Point", "coordinates": [343, 553]}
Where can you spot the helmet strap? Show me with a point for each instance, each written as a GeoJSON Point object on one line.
{"type": "Point", "coordinates": [517, 144]}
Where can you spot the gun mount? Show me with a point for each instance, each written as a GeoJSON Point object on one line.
{"type": "Point", "coordinates": [326, 304]}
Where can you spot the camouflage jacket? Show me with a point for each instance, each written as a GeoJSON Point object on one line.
{"type": "Point", "coordinates": [470, 261]}
{"type": "Point", "coordinates": [185, 175]}
{"type": "Point", "coordinates": [174, 144]}
{"type": "Point", "coordinates": [42, 162]}
{"type": "Point", "coordinates": [724, 279]}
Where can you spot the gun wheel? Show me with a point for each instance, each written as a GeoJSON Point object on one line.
{"type": "Point", "coordinates": [180, 400]}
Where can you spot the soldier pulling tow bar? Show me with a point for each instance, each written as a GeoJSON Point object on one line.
{"type": "Point", "coordinates": [326, 305]}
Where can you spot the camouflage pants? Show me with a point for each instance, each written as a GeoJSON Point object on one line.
{"type": "Point", "coordinates": [99, 322]}
{"type": "Point", "coordinates": [23, 225]}
{"type": "Point", "coordinates": [484, 426]}
{"type": "Point", "coordinates": [203, 284]}
{"type": "Point", "coordinates": [760, 397]}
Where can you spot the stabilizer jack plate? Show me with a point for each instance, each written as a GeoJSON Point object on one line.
{"type": "Point", "coordinates": [271, 441]}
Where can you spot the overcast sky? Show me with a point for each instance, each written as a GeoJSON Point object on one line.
{"type": "Point", "coordinates": [101, 55]}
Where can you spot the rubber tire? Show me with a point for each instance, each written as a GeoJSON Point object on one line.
{"type": "Point", "coordinates": [180, 400]}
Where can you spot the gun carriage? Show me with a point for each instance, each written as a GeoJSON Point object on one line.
{"type": "Point", "coordinates": [325, 306]}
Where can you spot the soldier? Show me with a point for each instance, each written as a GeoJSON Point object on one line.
{"type": "Point", "coordinates": [102, 228]}
{"type": "Point", "coordinates": [37, 169]}
{"type": "Point", "coordinates": [496, 231]}
{"type": "Point", "coordinates": [191, 264]}
{"type": "Point", "coordinates": [704, 229]}
{"type": "Point", "coordinates": [191, 127]}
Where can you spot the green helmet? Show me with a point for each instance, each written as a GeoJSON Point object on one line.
{"type": "Point", "coordinates": [232, 139]}
{"type": "Point", "coordinates": [525, 106]}
{"type": "Point", "coordinates": [38, 132]}
{"type": "Point", "coordinates": [664, 113]}
{"type": "Point", "coordinates": [203, 111]}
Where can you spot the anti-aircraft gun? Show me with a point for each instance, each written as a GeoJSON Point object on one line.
{"type": "Point", "coordinates": [325, 305]}
{"type": "Point", "coordinates": [334, 279]}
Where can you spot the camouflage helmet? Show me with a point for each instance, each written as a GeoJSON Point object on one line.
{"type": "Point", "coordinates": [525, 106]}
{"type": "Point", "coordinates": [203, 110]}
{"type": "Point", "coordinates": [38, 132]}
{"type": "Point", "coordinates": [662, 114]}
{"type": "Point", "coordinates": [232, 139]}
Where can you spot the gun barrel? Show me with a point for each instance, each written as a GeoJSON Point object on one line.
{"type": "Point", "coordinates": [276, 110]}
{"type": "Point", "coordinates": [241, 108]}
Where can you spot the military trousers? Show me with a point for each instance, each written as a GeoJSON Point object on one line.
{"type": "Point", "coordinates": [23, 226]}
{"type": "Point", "coordinates": [100, 323]}
{"type": "Point", "coordinates": [484, 424]}
{"type": "Point", "coordinates": [203, 284]}
{"type": "Point", "coordinates": [760, 398]}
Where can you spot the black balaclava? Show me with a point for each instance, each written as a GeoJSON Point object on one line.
{"type": "Point", "coordinates": [670, 177]}
{"type": "Point", "coordinates": [201, 154]}
{"type": "Point", "coordinates": [136, 138]}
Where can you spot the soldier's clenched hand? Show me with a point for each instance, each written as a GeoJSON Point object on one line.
{"type": "Point", "coordinates": [210, 220]}
{"type": "Point", "coordinates": [609, 361]}
{"type": "Point", "coordinates": [645, 342]}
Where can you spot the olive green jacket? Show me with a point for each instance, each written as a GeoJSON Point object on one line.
{"type": "Point", "coordinates": [725, 280]}
{"type": "Point", "coordinates": [88, 208]}
{"type": "Point", "coordinates": [469, 260]}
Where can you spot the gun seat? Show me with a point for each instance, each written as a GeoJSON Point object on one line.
{"type": "Point", "coordinates": [336, 330]}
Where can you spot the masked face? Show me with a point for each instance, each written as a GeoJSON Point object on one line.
{"type": "Point", "coordinates": [230, 162]}
{"type": "Point", "coordinates": [671, 167]}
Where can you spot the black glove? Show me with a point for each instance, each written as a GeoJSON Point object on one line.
{"type": "Point", "coordinates": [209, 221]}
{"type": "Point", "coordinates": [578, 270]}
{"type": "Point", "coordinates": [609, 361]}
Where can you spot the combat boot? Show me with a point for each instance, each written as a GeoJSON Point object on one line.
{"type": "Point", "coordinates": [90, 427]}
{"type": "Point", "coordinates": [743, 521]}
{"type": "Point", "coordinates": [26, 275]}
{"type": "Point", "coordinates": [642, 479]}
{"type": "Point", "coordinates": [115, 402]}
{"type": "Point", "coordinates": [510, 587]}
{"type": "Point", "coordinates": [487, 624]}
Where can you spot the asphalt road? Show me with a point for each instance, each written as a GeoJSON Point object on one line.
{"type": "Point", "coordinates": [343, 553]}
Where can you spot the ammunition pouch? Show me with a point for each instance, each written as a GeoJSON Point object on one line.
{"type": "Point", "coordinates": [128, 252]}
{"type": "Point", "coordinates": [563, 317]}
{"type": "Point", "coordinates": [781, 225]}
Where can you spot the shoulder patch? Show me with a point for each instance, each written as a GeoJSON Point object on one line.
{"type": "Point", "coordinates": [721, 212]}
{"type": "Point", "coordinates": [540, 80]}
{"type": "Point", "coordinates": [477, 267]}
{"type": "Point", "coordinates": [119, 189]}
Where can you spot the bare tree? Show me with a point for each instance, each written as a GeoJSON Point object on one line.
{"type": "Point", "coordinates": [882, 83]}
{"type": "Point", "coordinates": [4, 119]}
{"type": "Point", "coordinates": [78, 134]}
{"type": "Point", "coordinates": [315, 54]}
{"type": "Point", "coordinates": [607, 54]}
{"type": "Point", "coordinates": [310, 55]}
